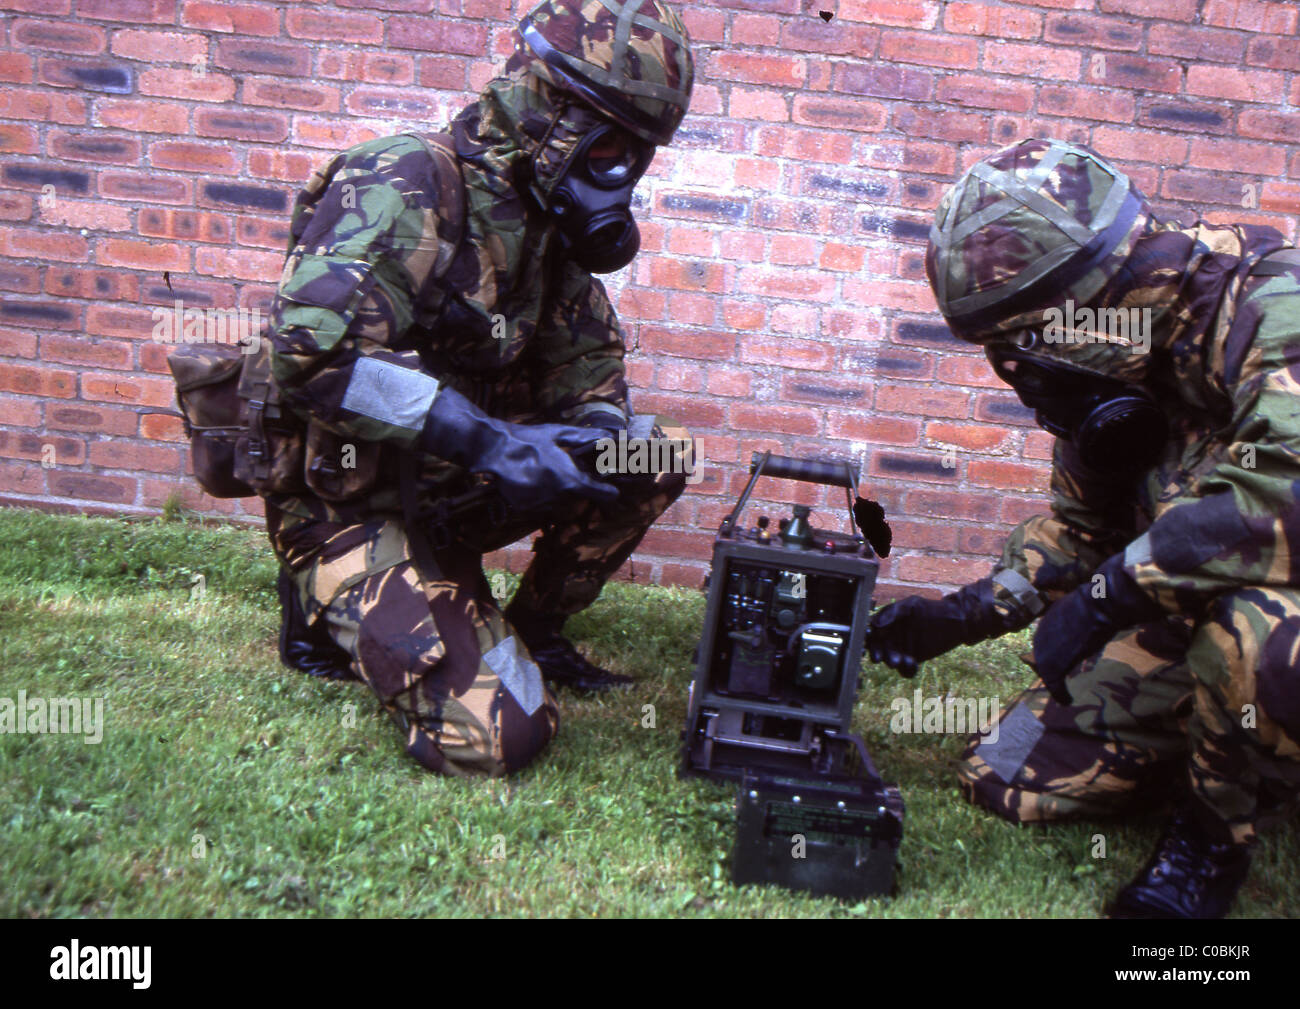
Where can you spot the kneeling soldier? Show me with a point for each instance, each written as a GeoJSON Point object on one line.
{"type": "Point", "coordinates": [1164, 577]}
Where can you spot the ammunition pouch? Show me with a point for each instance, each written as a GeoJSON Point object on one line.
{"type": "Point", "coordinates": [242, 441]}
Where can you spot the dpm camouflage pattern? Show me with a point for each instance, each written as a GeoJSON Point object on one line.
{"type": "Point", "coordinates": [1211, 534]}
{"type": "Point", "coordinates": [437, 650]}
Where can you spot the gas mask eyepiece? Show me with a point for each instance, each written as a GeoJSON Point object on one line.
{"type": "Point", "coordinates": [1116, 426]}
{"type": "Point", "coordinates": [592, 199]}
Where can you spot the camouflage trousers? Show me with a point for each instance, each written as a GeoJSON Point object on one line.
{"type": "Point", "coordinates": [434, 645]}
{"type": "Point", "coordinates": [1210, 706]}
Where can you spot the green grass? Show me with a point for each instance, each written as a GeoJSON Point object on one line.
{"type": "Point", "coordinates": [299, 800]}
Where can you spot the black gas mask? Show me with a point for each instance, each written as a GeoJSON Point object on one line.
{"type": "Point", "coordinates": [591, 201]}
{"type": "Point", "coordinates": [1116, 426]}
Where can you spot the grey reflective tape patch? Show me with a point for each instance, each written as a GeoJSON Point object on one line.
{"type": "Point", "coordinates": [1017, 734]}
{"type": "Point", "coordinates": [1021, 589]}
{"type": "Point", "coordinates": [1138, 552]}
{"type": "Point", "coordinates": [641, 427]}
{"type": "Point", "coordinates": [390, 393]}
{"type": "Point", "coordinates": [518, 674]}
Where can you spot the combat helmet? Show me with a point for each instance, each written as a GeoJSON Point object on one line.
{"type": "Point", "coordinates": [1026, 229]}
{"type": "Point", "coordinates": [630, 60]}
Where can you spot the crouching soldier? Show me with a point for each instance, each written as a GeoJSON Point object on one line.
{"type": "Point", "coordinates": [439, 348]}
{"type": "Point", "coordinates": [1166, 361]}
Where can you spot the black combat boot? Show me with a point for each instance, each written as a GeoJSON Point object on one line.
{"type": "Point", "coordinates": [560, 663]}
{"type": "Point", "coordinates": [308, 649]}
{"type": "Point", "coordinates": [1191, 874]}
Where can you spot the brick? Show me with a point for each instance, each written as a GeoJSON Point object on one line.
{"type": "Point", "coordinates": [264, 127]}
{"type": "Point", "coordinates": [1092, 32]}
{"type": "Point", "coordinates": [22, 243]}
{"type": "Point", "coordinates": [380, 68]}
{"type": "Point", "coordinates": [290, 94]}
{"type": "Point", "coordinates": [128, 455]}
{"type": "Point", "coordinates": [65, 349]}
{"type": "Point", "coordinates": [21, 479]}
{"type": "Point", "coordinates": [16, 206]}
{"type": "Point", "coordinates": [128, 322]}
{"type": "Point", "coordinates": [138, 44]}
{"type": "Point", "coordinates": [58, 36]}
{"type": "Point", "coordinates": [86, 214]}
{"type": "Point", "coordinates": [15, 68]}
{"type": "Point", "coordinates": [1006, 475]}
{"type": "Point", "coordinates": [883, 81]}
{"type": "Point", "coordinates": [142, 116]}
{"type": "Point", "coordinates": [1196, 44]}
{"type": "Point", "coordinates": [893, 363]}
{"type": "Point", "coordinates": [161, 427]}
{"type": "Point", "coordinates": [1139, 146]}
{"type": "Point", "coordinates": [1079, 102]}
{"type": "Point", "coordinates": [1276, 53]}
{"type": "Point", "coordinates": [800, 286]}
{"type": "Point", "coordinates": [1202, 187]}
{"type": "Point", "coordinates": [24, 278]}
{"type": "Point", "coordinates": [836, 39]}
{"type": "Point", "coordinates": [152, 187]}
{"type": "Point", "coordinates": [966, 89]}
{"type": "Point", "coordinates": [972, 370]}
{"type": "Point", "coordinates": [392, 103]}
{"type": "Point", "coordinates": [762, 103]}
{"type": "Point", "coordinates": [261, 57]}
{"type": "Point", "coordinates": [1235, 85]}
{"type": "Point", "coordinates": [152, 11]}
{"type": "Point", "coordinates": [925, 400]}
{"type": "Point", "coordinates": [753, 68]}
{"type": "Point", "coordinates": [930, 49]}
{"type": "Point", "coordinates": [102, 149]}
{"type": "Point", "coordinates": [14, 343]}
{"type": "Point", "coordinates": [776, 419]}
{"type": "Point", "coordinates": [134, 389]}
{"type": "Point", "coordinates": [992, 22]}
{"type": "Point", "coordinates": [812, 355]}
{"type": "Point", "coordinates": [729, 382]}
{"type": "Point", "coordinates": [1140, 72]}
{"type": "Point", "coordinates": [267, 233]}
{"type": "Point", "coordinates": [93, 419]}
{"type": "Point", "coordinates": [37, 381]}
{"type": "Point", "coordinates": [333, 134]}
{"type": "Point", "coordinates": [930, 467]}
{"type": "Point", "coordinates": [840, 113]}
{"type": "Point", "coordinates": [895, 13]}
{"type": "Point", "coordinates": [1268, 125]}
{"type": "Point", "coordinates": [874, 429]}
{"type": "Point", "coordinates": [824, 390]}
{"type": "Point", "coordinates": [942, 570]}
{"type": "Point", "coordinates": [1023, 59]}
{"type": "Point", "coordinates": [75, 282]}
{"type": "Point", "coordinates": [234, 18]}
{"type": "Point", "coordinates": [1196, 117]}
{"type": "Point", "coordinates": [16, 139]}
{"type": "Point", "coordinates": [222, 194]}
{"type": "Point", "coordinates": [92, 486]}
{"type": "Point", "coordinates": [44, 314]}
{"type": "Point", "coordinates": [19, 103]}
{"type": "Point", "coordinates": [159, 222]}
{"type": "Point", "coordinates": [169, 82]}
{"type": "Point", "coordinates": [438, 35]}
{"type": "Point", "coordinates": [970, 437]}
{"type": "Point", "coordinates": [243, 264]}
{"type": "Point", "coordinates": [88, 75]}
{"type": "Point", "coordinates": [448, 73]}
{"type": "Point", "coordinates": [1252, 15]}
{"type": "Point", "coordinates": [967, 506]}
{"type": "Point", "coordinates": [142, 255]}
{"type": "Point", "coordinates": [19, 411]}
{"type": "Point", "coordinates": [287, 166]}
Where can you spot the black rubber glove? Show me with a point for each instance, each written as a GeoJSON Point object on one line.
{"type": "Point", "coordinates": [533, 463]}
{"type": "Point", "coordinates": [1079, 625]}
{"type": "Point", "coordinates": [913, 630]}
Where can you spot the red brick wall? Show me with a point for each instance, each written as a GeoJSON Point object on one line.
{"type": "Point", "coordinates": [780, 300]}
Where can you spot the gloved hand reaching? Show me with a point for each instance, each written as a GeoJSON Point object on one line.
{"type": "Point", "coordinates": [914, 630]}
{"type": "Point", "coordinates": [534, 464]}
